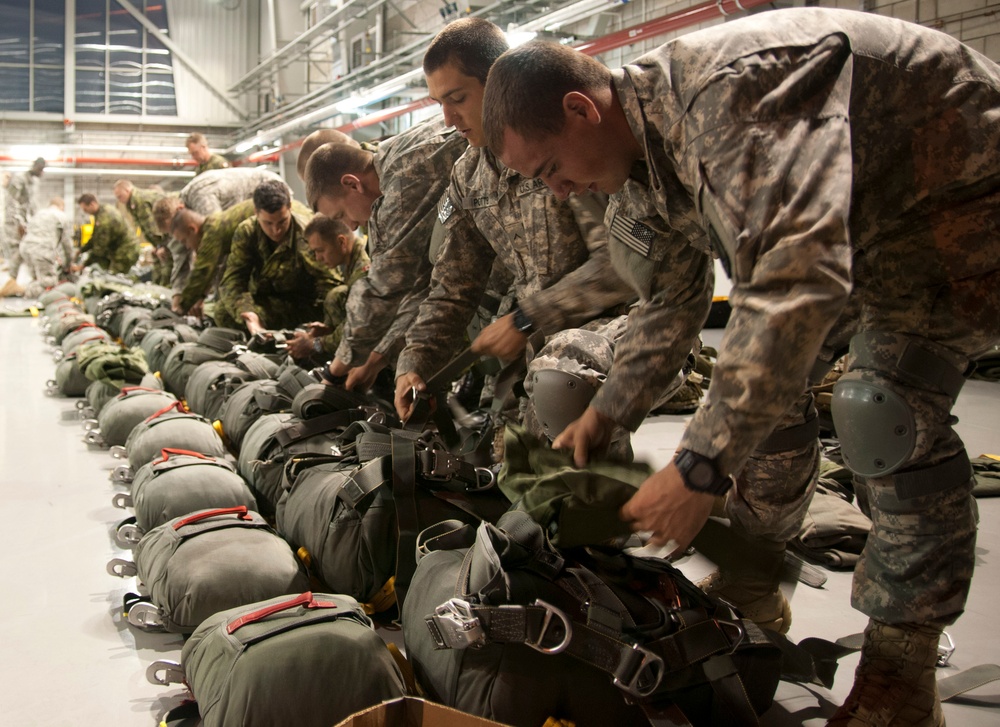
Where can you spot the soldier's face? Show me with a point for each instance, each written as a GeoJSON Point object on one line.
{"type": "Point", "coordinates": [461, 99]}
{"type": "Point", "coordinates": [275, 224]}
{"type": "Point", "coordinates": [576, 160]}
{"type": "Point", "coordinates": [353, 207]}
{"type": "Point", "coordinates": [121, 194]}
{"type": "Point", "coordinates": [331, 254]}
{"type": "Point", "coordinates": [199, 152]}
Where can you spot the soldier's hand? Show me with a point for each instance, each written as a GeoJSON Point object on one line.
{"type": "Point", "coordinates": [405, 385]}
{"type": "Point", "coordinates": [361, 378]}
{"type": "Point", "coordinates": [590, 433]}
{"type": "Point", "coordinates": [501, 339]}
{"type": "Point", "coordinates": [197, 310]}
{"type": "Point", "coordinates": [317, 329]}
{"type": "Point", "coordinates": [252, 321]}
{"type": "Point", "coordinates": [300, 346]}
{"type": "Point", "coordinates": [162, 253]}
{"type": "Point", "coordinates": [666, 508]}
{"type": "Point", "coordinates": [338, 369]}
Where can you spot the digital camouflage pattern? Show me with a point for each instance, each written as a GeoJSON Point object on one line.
{"type": "Point", "coordinates": [845, 167]}
{"type": "Point", "coordinates": [113, 246]}
{"type": "Point", "coordinates": [213, 250]}
{"type": "Point", "coordinates": [556, 253]}
{"type": "Point", "coordinates": [20, 204]}
{"type": "Point", "coordinates": [335, 304]}
{"type": "Point", "coordinates": [220, 189]}
{"type": "Point", "coordinates": [413, 170]}
{"type": "Point", "coordinates": [47, 246]}
{"type": "Point", "coordinates": [215, 161]}
{"type": "Point", "coordinates": [280, 282]}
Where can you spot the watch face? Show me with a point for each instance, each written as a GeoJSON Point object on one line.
{"type": "Point", "coordinates": [701, 474]}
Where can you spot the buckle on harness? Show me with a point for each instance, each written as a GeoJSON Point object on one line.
{"type": "Point", "coordinates": [734, 639]}
{"type": "Point", "coordinates": [639, 673]}
{"type": "Point", "coordinates": [439, 464]}
{"type": "Point", "coordinates": [453, 626]}
{"type": "Point", "coordinates": [944, 652]}
{"type": "Point", "coordinates": [551, 611]}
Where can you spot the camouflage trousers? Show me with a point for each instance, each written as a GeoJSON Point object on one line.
{"type": "Point", "coordinates": [44, 270]}
{"type": "Point", "coordinates": [11, 247]}
{"type": "Point", "coordinates": [919, 558]}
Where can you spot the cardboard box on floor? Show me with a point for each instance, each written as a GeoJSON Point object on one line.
{"type": "Point", "coordinates": [414, 712]}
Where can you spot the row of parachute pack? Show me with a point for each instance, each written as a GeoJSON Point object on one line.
{"type": "Point", "coordinates": [277, 521]}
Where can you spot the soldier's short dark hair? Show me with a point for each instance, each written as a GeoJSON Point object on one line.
{"type": "Point", "coordinates": [326, 227]}
{"type": "Point", "coordinates": [164, 210]}
{"type": "Point", "coordinates": [184, 216]}
{"type": "Point", "coordinates": [196, 137]}
{"type": "Point", "coordinates": [526, 86]}
{"type": "Point", "coordinates": [314, 141]}
{"type": "Point", "coordinates": [86, 198]}
{"type": "Point", "coordinates": [472, 44]}
{"type": "Point", "coordinates": [271, 196]}
{"type": "Point", "coordinates": [328, 164]}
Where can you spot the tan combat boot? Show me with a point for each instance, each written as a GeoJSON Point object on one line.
{"type": "Point", "coordinates": [749, 576]}
{"type": "Point", "coordinates": [11, 288]}
{"type": "Point", "coordinates": [895, 684]}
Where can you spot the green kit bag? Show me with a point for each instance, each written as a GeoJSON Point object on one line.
{"type": "Point", "coordinates": [176, 484]}
{"type": "Point", "coordinates": [205, 562]}
{"type": "Point", "coordinates": [309, 661]}
{"type": "Point", "coordinates": [124, 412]}
{"type": "Point", "coordinates": [170, 427]}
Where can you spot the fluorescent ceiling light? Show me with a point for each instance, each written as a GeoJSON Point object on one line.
{"type": "Point", "coordinates": [31, 152]}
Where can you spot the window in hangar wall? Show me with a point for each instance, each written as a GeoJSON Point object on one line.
{"type": "Point", "coordinates": [121, 68]}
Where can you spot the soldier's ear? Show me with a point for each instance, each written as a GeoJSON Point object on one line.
{"type": "Point", "coordinates": [350, 182]}
{"type": "Point", "coordinates": [581, 107]}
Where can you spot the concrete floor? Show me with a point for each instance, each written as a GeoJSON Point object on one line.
{"type": "Point", "coordinates": [69, 659]}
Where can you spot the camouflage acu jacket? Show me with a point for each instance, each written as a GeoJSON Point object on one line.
{"type": "Point", "coordinates": [280, 282]}
{"type": "Point", "coordinates": [808, 144]}
{"type": "Point", "coordinates": [140, 206]}
{"type": "Point", "coordinates": [413, 170]}
{"type": "Point", "coordinates": [555, 251]}
{"type": "Point", "coordinates": [210, 260]}
{"type": "Point", "coordinates": [113, 245]}
{"type": "Point", "coordinates": [216, 161]}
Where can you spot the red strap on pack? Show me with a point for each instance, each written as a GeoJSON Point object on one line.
{"type": "Point", "coordinates": [87, 324]}
{"type": "Point", "coordinates": [176, 405]}
{"type": "Point", "coordinates": [306, 599]}
{"type": "Point", "coordinates": [167, 451]}
{"type": "Point", "coordinates": [241, 511]}
{"type": "Point", "coordinates": [126, 389]}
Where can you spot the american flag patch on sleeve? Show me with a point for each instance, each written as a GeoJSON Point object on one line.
{"type": "Point", "coordinates": [637, 236]}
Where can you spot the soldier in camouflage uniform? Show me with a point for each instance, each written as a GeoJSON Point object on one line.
{"type": "Point", "coordinates": [554, 251]}
{"type": "Point", "coordinates": [197, 146]}
{"type": "Point", "coordinates": [113, 246]}
{"type": "Point", "coordinates": [220, 189]}
{"type": "Point", "coordinates": [332, 244]}
{"type": "Point", "coordinates": [208, 239]}
{"type": "Point", "coordinates": [845, 169]}
{"type": "Point", "coordinates": [139, 203]}
{"type": "Point", "coordinates": [21, 201]}
{"type": "Point", "coordinates": [395, 190]}
{"type": "Point", "coordinates": [47, 247]}
{"type": "Point", "coordinates": [314, 141]}
{"type": "Point", "coordinates": [271, 280]}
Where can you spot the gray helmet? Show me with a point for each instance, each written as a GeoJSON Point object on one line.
{"type": "Point", "coordinates": [560, 397]}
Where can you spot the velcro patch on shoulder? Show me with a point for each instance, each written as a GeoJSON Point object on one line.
{"type": "Point", "coordinates": [634, 234]}
{"type": "Point", "coordinates": [445, 210]}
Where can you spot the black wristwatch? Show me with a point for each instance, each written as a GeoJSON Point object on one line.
{"type": "Point", "coordinates": [522, 322]}
{"type": "Point", "coordinates": [701, 474]}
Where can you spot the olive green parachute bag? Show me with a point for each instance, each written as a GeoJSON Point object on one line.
{"type": "Point", "coordinates": [176, 484]}
{"type": "Point", "coordinates": [310, 660]}
{"type": "Point", "coordinates": [205, 562]}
